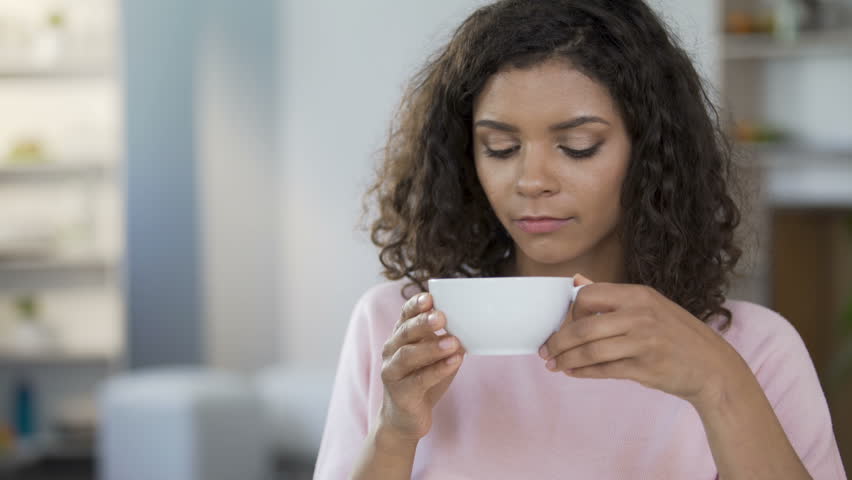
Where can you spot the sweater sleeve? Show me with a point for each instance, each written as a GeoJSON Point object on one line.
{"type": "Point", "coordinates": [347, 420]}
{"type": "Point", "coordinates": [790, 382]}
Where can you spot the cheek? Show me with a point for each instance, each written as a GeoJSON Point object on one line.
{"type": "Point", "coordinates": [602, 198]}
{"type": "Point", "coordinates": [608, 192]}
{"type": "Point", "coordinates": [492, 182]}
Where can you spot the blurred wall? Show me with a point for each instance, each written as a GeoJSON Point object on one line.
{"type": "Point", "coordinates": [696, 24]}
{"type": "Point", "coordinates": [344, 65]}
{"type": "Point", "coordinates": [237, 127]}
{"type": "Point", "coordinates": [201, 92]}
{"type": "Point", "coordinates": [165, 324]}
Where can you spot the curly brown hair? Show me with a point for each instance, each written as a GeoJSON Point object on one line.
{"type": "Point", "coordinates": [678, 218]}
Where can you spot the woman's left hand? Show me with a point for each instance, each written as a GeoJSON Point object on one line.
{"type": "Point", "coordinates": [633, 332]}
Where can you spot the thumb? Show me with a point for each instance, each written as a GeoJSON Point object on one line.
{"type": "Point", "coordinates": [579, 279]}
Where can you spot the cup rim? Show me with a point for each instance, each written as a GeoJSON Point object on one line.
{"type": "Point", "coordinates": [499, 279]}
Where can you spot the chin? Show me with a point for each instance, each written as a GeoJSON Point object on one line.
{"type": "Point", "coordinates": [548, 255]}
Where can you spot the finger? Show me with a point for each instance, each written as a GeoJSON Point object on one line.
{"type": "Point", "coordinates": [609, 297]}
{"type": "Point", "coordinates": [413, 357]}
{"type": "Point", "coordinates": [422, 327]}
{"type": "Point", "coordinates": [587, 329]}
{"type": "Point", "coordinates": [594, 353]}
{"type": "Point", "coordinates": [414, 306]}
{"type": "Point", "coordinates": [431, 375]}
{"type": "Point", "coordinates": [579, 280]}
{"type": "Point", "coordinates": [625, 369]}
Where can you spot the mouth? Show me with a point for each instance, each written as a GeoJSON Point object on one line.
{"type": "Point", "coordinates": [541, 224]}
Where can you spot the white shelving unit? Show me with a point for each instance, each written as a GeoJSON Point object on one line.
{"type": "Point", "coordinates": [775, 80]}
{"type": "Point", "coordinates": [60, 91]}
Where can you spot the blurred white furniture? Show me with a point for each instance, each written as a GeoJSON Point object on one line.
{"type": "Point", "coordinates": [201, 424]}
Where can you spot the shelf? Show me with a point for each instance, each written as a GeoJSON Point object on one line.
{"type": "Point", "coordinates": [810, 184]}
{"type": "Point", "coordinates": [766, 46]}
{"type": "Point", "coordinates": [29, 275]}
{"type": "Point", "coordinates": [53, 171]}
{"type": "Point", "coordinates": [16, 461]}
{"type": "Point", "coordinates": [790, 153]}
{"type": "Point", "coordinates": [796, 176]}
{"type": "Point", "coordinates": [93, 69]}
{"type": "Point", "coordinates": [44, 449]}
{"type": "Point", "coordinates": [9, 359]}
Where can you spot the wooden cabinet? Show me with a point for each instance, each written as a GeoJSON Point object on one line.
{"type": "Point", "coordinates": [811, 258]}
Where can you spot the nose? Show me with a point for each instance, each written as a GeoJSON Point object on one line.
{"type": "Point", "coordinates": [536, 176]}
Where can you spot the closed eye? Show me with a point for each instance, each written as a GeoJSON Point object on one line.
{"type": "Point", "coordinates": [585, 153]}
{"type": "Point", "coordinates": [505, 153]}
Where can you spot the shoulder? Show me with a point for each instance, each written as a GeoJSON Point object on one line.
{"type": "Point", "coordinates": [380, 306]}
{"type": "Point", "coordinates": [391, 294]}
{"type": "Point", "coordinates": [758, 333]}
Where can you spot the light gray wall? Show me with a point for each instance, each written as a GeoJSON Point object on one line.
{"type": "Point", "coordinates": [343, 68]}
{"type": "Point", "coordinates": [201, 83]}
{"type": "Point", "coordinates": [237, 128]}
{"type": "Point", "coordinates": [696, 25]}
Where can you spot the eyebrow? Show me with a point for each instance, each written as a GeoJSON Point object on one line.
{"type": "Point", "coordinates": [573, 123]}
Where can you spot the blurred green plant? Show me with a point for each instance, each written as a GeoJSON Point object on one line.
{"type": "Point", "coordinates": [27, 307]}
{"type": "Point", "coordinates": [56, 19]}
{"type": "Point", "coordinates": [840, 369]}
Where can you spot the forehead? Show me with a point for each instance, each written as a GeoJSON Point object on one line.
{"type": "Point", "coordinates": [549, 90]}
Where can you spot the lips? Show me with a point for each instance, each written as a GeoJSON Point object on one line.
{"type": "Point", "coordinates": [541, 224]}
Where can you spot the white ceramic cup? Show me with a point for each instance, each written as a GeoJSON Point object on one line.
{"type": "Point", "coordinates": [503, 315]}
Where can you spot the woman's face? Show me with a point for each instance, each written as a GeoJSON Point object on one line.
{"type": "Point", "coordinates": [549, 142]}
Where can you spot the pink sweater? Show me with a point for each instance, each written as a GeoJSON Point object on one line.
{"type": "Point", "coordinates": [510, 418]}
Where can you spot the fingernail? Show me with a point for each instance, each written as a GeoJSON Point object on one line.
{"type": "Point", "coordinates": [447, 343]}
{"type": "Point", "coordinates": [551, 364]}
{"type": "Point", "coordinates": [542, 352]}
{"type": "Point", "coordinates": [421, 300]}
{"type": "Point", "coordinates": [453, 360]}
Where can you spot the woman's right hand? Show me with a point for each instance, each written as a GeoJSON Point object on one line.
{"type": "Point", "coordinates": [418, 367]}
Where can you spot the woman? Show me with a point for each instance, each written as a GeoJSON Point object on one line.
{"type": "Point", "coordinates": [569, 138]}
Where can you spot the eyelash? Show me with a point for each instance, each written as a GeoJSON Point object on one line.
{"type": "Point", "coordinates": [586, 153]}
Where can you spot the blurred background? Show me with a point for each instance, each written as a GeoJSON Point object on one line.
{"type": "Point", "coordinates": [180, 186]}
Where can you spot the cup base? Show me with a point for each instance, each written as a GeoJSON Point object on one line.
{"type": "Point", "coordinates": [501, 351]}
